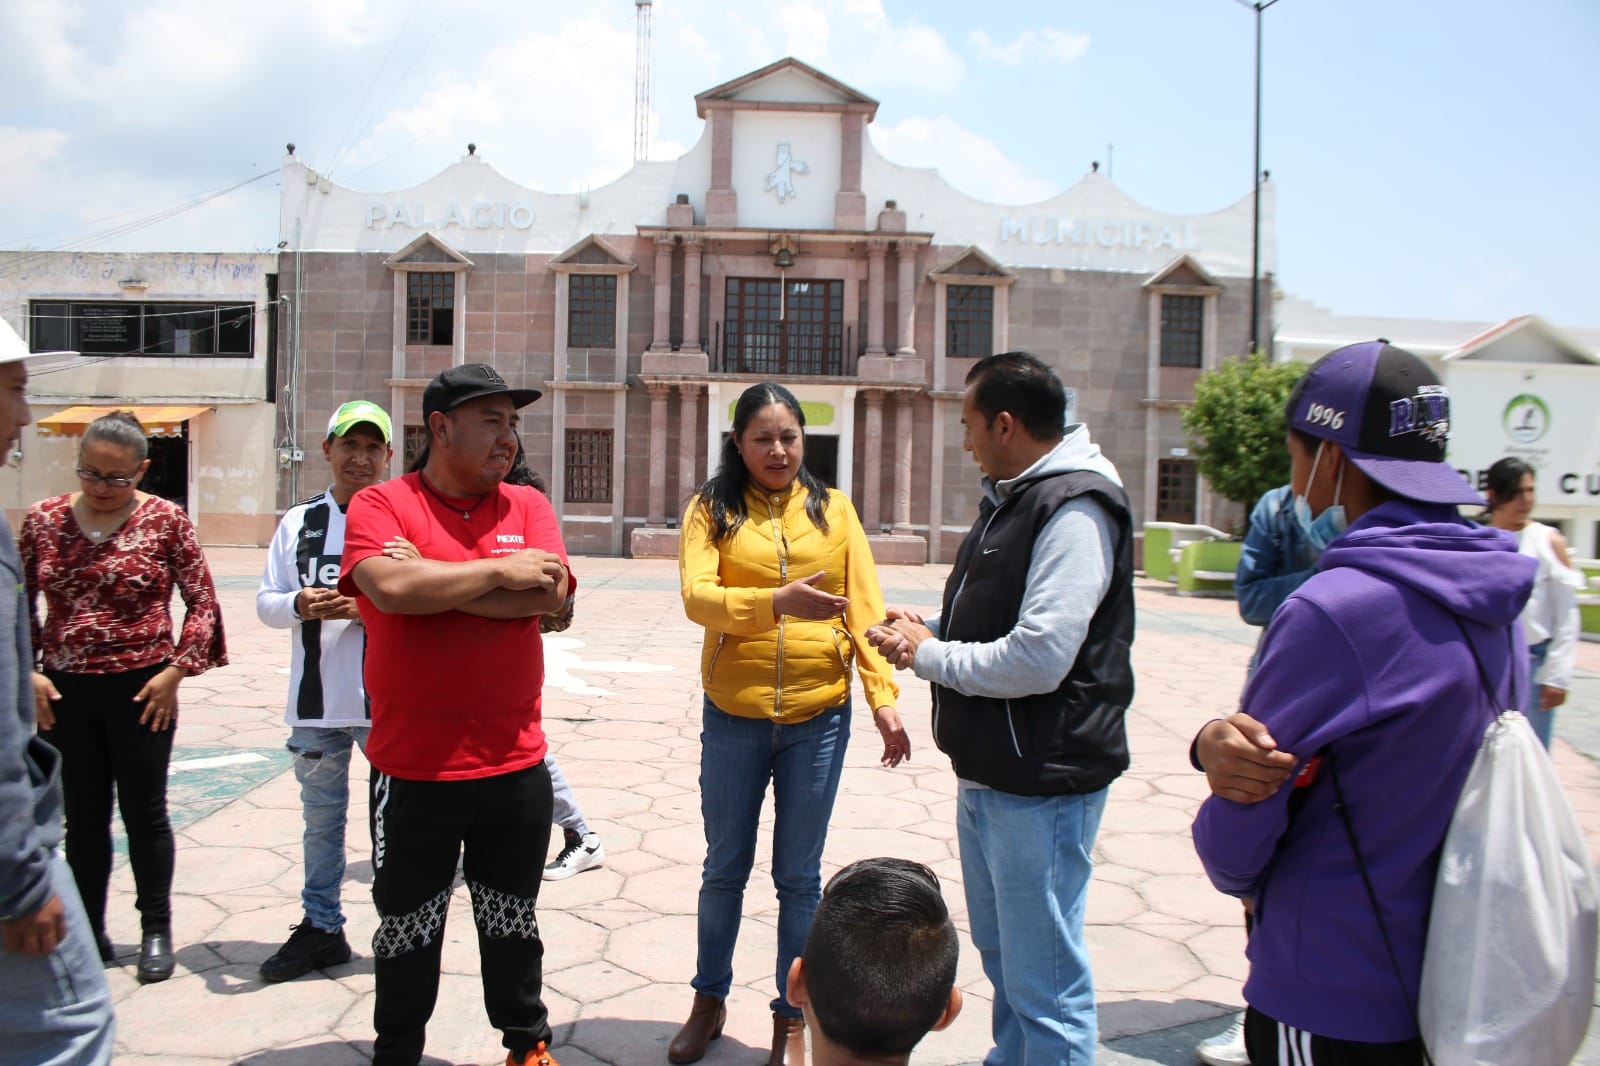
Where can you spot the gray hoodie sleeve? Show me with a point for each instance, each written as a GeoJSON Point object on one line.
{"type": "Point", "coordinates": [1067, 578]}
{"type": "Point", "coordinates": [25, 850]}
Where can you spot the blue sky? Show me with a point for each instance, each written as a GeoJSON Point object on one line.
{"type": "Point", "coordinates": [1431, 158]}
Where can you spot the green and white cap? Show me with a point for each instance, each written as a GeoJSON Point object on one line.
{"type": "Point", "coordinates": [352, 414]}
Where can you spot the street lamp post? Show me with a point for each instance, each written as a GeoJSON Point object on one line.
{"type": "Point", "coordinates": [1255, 191]}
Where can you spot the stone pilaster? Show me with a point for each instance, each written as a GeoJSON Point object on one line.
{"type": "Point", "coordinates": [659, 392]}
{"type": "Point", "coordinates": [661, 326]}
{"type": "Point", "coordinates": [906, 328]}
{"type": "Point", "coordinates": [872, 462]}
{"type": "Point", "coordinates": [877, 251]}
{"type": "Point", "coordinates": [902, 464]}
{"type": "Point", "coordinates": [693, 246]}
{"type": "Point", "coordinates": [688, 438]}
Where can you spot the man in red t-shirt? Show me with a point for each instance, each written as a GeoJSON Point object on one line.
{"type": "Point", "coordinates": [454, 669]}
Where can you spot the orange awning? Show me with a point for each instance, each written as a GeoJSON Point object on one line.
{"type": "Point", "coordinates": [157, 421]}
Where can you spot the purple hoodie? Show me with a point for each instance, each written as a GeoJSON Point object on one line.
{"type": "Point", "coordinates": [1365, 665]}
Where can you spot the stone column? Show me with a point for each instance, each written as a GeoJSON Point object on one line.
{"type": "Point", "coordinates": [906, 331]}
{"type": "Point", "coordinates": [902, 464]}
{"type": "Point", "coordinates": [662, 326]}
{"type": "Point", "coordinates": [692, 247]}
{"type": "Point", "coordinates": [872, 462]}
{"type": "Point", "coordinates": [659, 391]}
{"type": "Point", "coordinates": [877, 250]}
{"type": "Point", "coordinates": [688, 440]}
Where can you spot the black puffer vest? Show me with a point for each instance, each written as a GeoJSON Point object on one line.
{"type": "Point", "coordinates": [1065, 742]}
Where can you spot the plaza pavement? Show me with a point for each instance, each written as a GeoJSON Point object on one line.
{"type": "Point", "coordinates": [622, 710]}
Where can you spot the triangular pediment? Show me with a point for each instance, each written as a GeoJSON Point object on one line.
{"type": "Point", "coordinates": [427, 250]}
{"type": "Point", "coordinates": [1182, 272]}
{"type": "Point", "coordinates": [1524, 339]}
{"type": "Point", "coordinates": [593, 251]}
{"type": "Point", "coordinates": [972, 262]}
{"type": "Point", "coordinates": [788, 81]}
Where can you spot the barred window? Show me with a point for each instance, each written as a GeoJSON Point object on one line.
{"type": "Point", "coordinates": [1176, 482]}
{"type": "Point", "coordinates": [969, 321]}
{"type": "Point", "coordinates": [430, 308]}
{"type": "Point", "coordinates": [415, 440]}
{"type": "Point", "coordinates": [588, 466]}
{"type": "Point", "coordinates": [1182, 327]}
{"type": "Point", "coordinates": [592, 311]}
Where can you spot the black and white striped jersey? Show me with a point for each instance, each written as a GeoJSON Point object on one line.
{"type": "Point", "coordinates": [325, 687]}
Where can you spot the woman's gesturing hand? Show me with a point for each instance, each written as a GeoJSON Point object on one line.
{"type": "Point", "coordinates": [802, 599]}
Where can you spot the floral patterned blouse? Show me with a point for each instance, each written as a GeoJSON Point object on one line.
{"type": "Point", "coordinates": [109, 602]}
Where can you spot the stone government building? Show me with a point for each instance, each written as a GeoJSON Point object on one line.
{"type": "Point", "coordinates": [781, 246]}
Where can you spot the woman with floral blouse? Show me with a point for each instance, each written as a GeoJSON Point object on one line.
{"type": "Point", "coordinates": [106, 559]}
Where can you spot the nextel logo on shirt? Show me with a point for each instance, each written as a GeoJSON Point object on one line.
{"type": "Point", "coordinates": [508, 538]}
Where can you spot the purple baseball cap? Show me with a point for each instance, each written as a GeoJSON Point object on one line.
{"type": "Point", "coordinates": [1387, 410]}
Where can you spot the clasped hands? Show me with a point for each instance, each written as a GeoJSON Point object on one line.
{"type": "Point", "coordinates": [898, 636]}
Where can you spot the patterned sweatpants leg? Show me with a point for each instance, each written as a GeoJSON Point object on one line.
{"type": "Point", "coordinates": [418, 831]}
{"type": "Point", "coordinates": [504, 867]}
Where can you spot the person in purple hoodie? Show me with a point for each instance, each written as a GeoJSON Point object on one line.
{"type": "Point", "coordinates": [1367, 686]}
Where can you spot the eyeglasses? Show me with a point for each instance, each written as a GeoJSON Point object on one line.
{"type": "Point", "coordinates": [90, 477]}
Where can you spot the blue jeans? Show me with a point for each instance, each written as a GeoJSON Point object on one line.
{"type": "Point", "coordinates": [322, 766]}
{"type": "Point", "coordinates": [1026, 864]}
{"type": "Point", "coordinates": [1543, 722]}
{"type": "Point", "coordinates": [738, 756]}
{"type": "Point", "coordinates": [56, 1010]}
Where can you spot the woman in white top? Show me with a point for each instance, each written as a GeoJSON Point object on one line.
{"type": "Point", "coordinates": [1551, 617]}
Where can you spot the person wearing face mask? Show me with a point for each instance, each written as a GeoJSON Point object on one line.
{"type": "Point", "coordinates": [1377, 680]}
{"type": "Point", "coordinates": [1280, 552]}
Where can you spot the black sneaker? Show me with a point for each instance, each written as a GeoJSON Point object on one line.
{"type": "Point", "coordinates": [308, 948]}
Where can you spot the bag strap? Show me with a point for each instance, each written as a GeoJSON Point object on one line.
{"type": "Point", "coordinates": [1343, 810]}
{"type": "Point", "coordinates": [1483, 675]}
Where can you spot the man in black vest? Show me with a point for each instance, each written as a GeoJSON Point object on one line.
{"type": "Point", "coordinates": [1031, 682]}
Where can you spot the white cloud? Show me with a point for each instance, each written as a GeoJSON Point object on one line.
{"type": "Point", "coordinates": [520, 105]}
{"type": "Point", "coordinates": [1058, 46]}
{"type": "Point", "coordinates": [970, 162]}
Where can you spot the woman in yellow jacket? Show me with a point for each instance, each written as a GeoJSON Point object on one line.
{"type": "Point", "coordinates": [778, 570]}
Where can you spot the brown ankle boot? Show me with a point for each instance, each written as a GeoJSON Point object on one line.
{"type": "Point", "coordinates": [705, 1022]}
{"type": "Point", "coordinates": [788, 1041]}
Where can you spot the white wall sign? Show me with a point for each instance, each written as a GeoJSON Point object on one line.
{"type": "Point", "coordinates": [1543, 415]}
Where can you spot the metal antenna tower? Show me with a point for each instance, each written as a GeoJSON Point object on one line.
{"type": "Point", "coordinates": [641, 82]}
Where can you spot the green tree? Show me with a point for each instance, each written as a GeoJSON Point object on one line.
{"type": "Point", "coordinates": [1236, 425]}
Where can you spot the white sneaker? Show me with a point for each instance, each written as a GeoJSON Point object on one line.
{"type": "Point", "coordinates": [1226, 1048]}
{"type": "Point", "coordinates": [579, 854]}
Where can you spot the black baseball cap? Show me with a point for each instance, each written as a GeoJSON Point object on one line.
{"type": "Point", "coordinates": [470, 381]}
{"type": "Point", "coordinates": [1390, 414]}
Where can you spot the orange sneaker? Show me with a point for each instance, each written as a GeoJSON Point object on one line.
{"type": "Point", "coordinates": [539, 1056]}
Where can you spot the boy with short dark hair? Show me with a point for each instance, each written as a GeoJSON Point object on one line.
{"type": "Point", "coordinates": [879, 967]}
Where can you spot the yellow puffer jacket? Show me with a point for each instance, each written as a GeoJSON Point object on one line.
{"type": "Point", "coordinates": [756, 665]}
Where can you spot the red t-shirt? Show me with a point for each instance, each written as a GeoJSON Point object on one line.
{"type": "Point", "coordinates": [454, 696]}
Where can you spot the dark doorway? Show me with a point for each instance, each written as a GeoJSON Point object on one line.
{"type": "Point", "coordinates": [168, 476]}
{"type": "Point", "coordinates": [822, 459]}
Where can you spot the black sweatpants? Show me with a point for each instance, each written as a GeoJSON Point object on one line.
{"type": "Point", "coordinates": [419, 829]}
{"type": "Point", "coordinates": [1272, 1043]}
{"type": "Point", "coordinates": [103, 745]}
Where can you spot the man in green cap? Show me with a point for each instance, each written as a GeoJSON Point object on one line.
{"type": "Point", "coordinates": [327, 707]}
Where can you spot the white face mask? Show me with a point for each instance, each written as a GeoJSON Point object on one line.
{"type": "Point", "coordinates": [1322, 529]}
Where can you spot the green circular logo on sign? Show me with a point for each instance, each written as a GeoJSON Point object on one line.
{"type": "Point", "coordinates": [1526, 418]}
